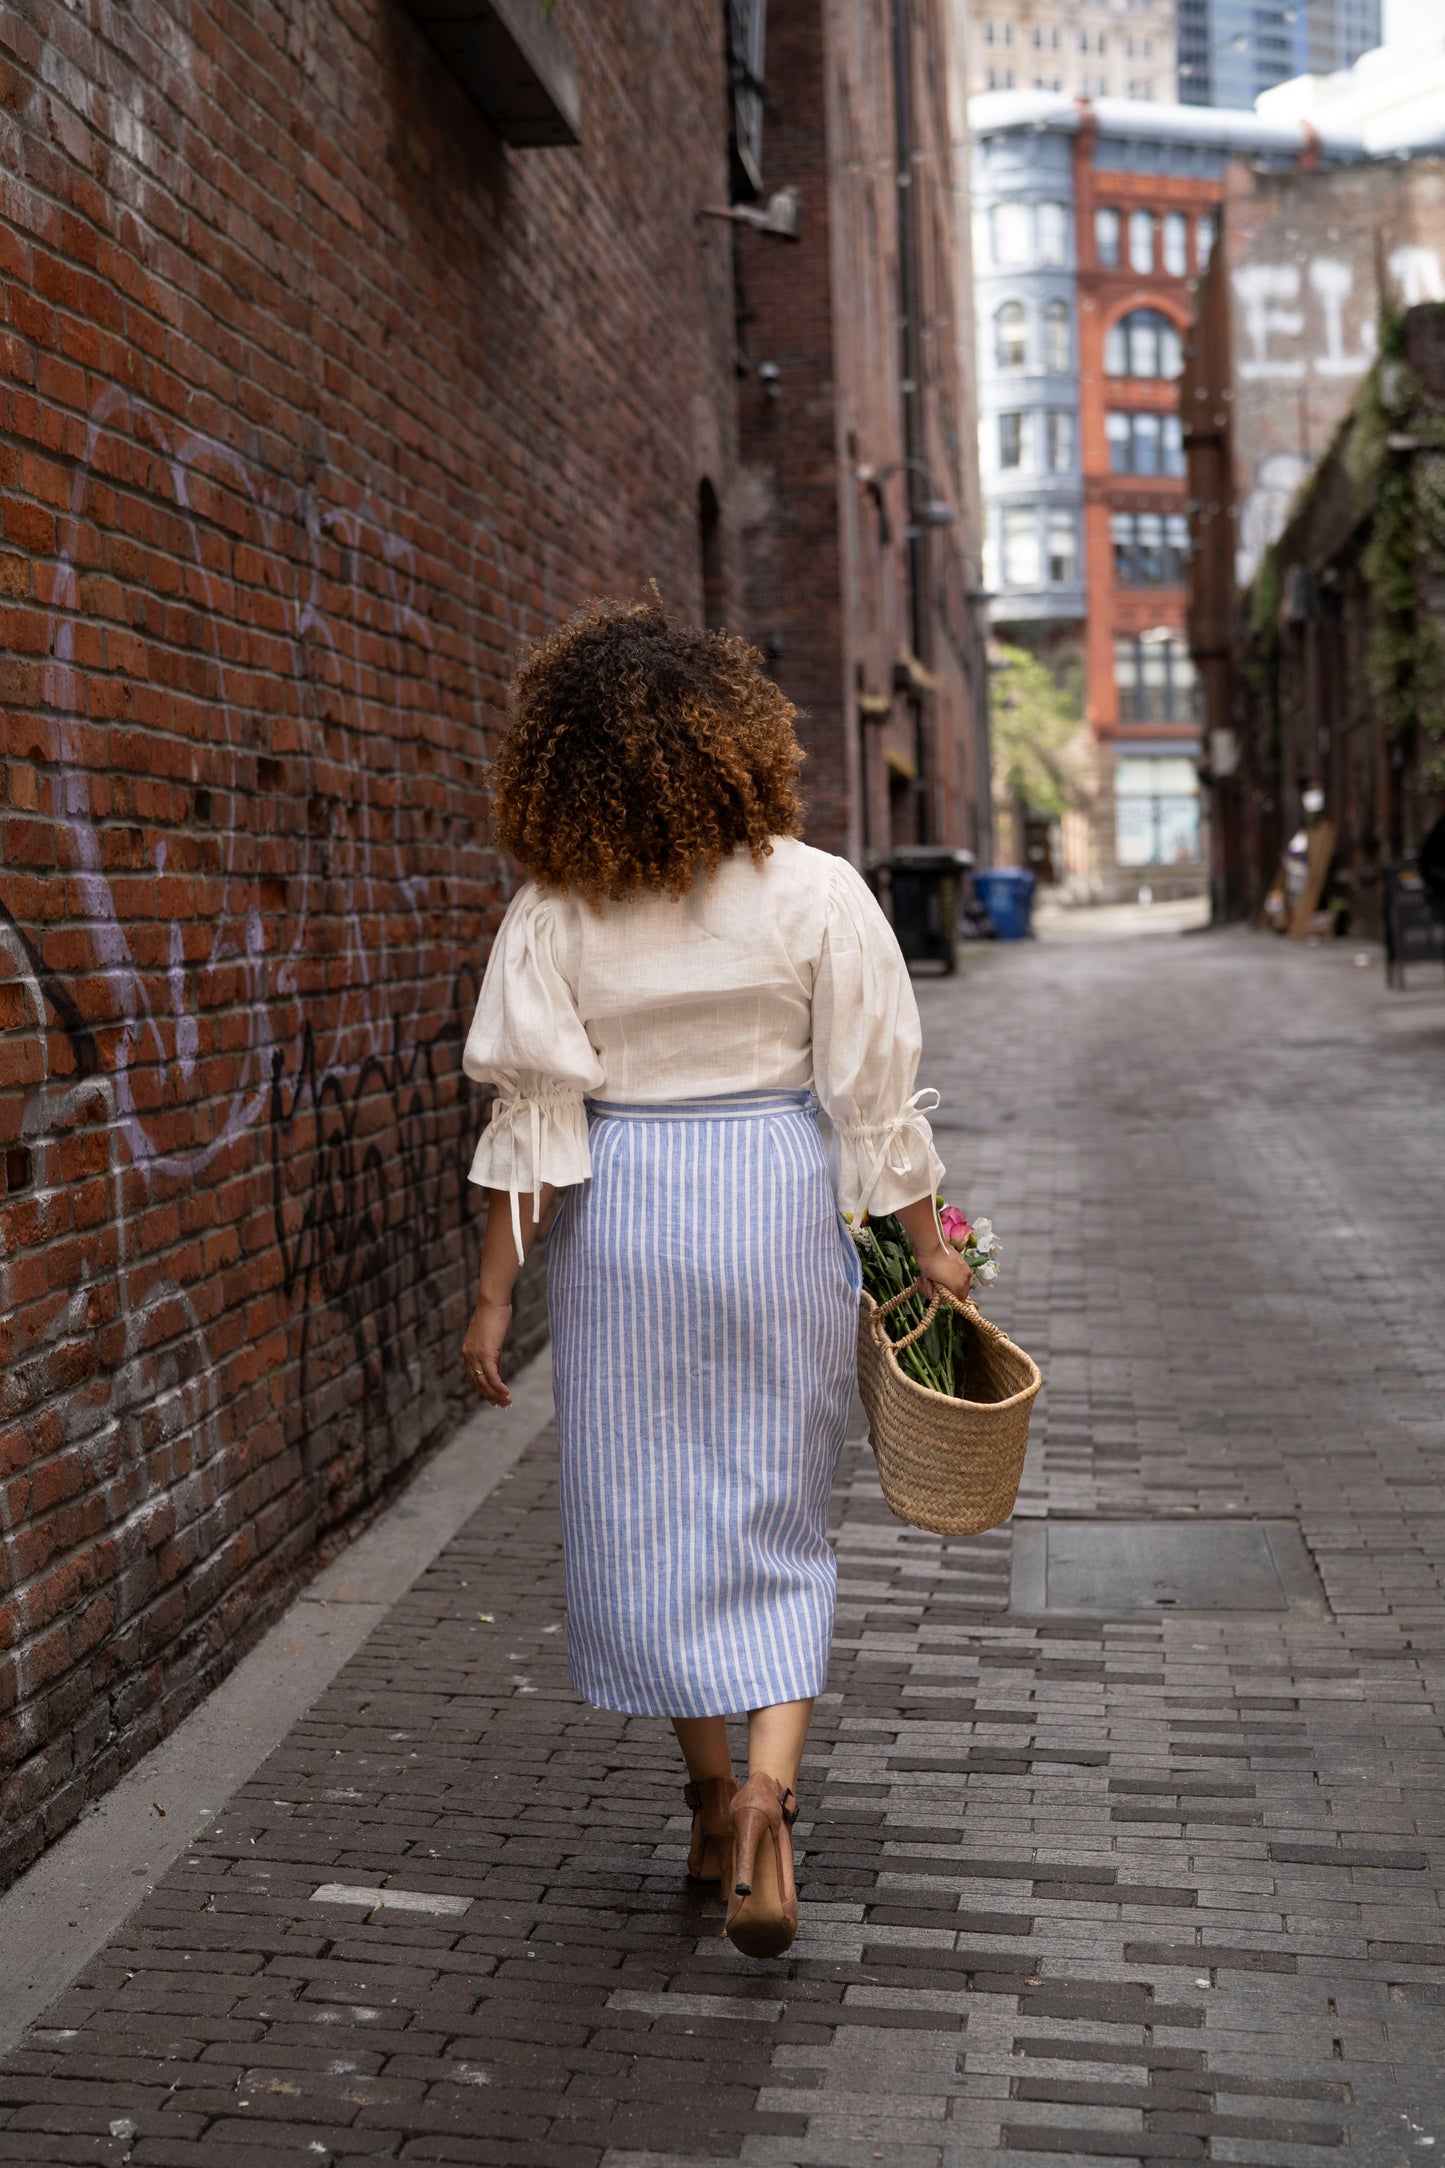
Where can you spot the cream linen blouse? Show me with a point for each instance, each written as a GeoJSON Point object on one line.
{"type": "Point", "coordinates": [769, 977]}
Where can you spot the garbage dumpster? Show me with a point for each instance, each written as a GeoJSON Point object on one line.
{"type": "Point", "coordinates": [1008, 898]}
{"type": "Point", "coordinates": [925, 881]}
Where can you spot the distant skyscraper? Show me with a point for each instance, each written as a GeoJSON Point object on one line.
{"type": "Point", "coordinates": [1231, 50]}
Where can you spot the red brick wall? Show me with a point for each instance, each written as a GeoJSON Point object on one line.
{"type": "Point", "coordinates": [316, 401]}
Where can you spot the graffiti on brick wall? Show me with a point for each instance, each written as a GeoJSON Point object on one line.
{"type": "Point", "coordinates": [267, 898]}
{"type": "Point", "coordinates": [1303, 323]}
{"type": "Point", "coordinates": [1306, 319]}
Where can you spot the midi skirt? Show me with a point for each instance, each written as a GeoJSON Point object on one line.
{"type": "Point", "coordinates": [704, 1302]}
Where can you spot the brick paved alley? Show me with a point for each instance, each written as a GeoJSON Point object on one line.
{"type": "Point", "coordinates": [1160, 1887]}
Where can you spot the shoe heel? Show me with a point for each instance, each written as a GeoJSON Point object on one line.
{"type": "Point", "coordinates": [749, 1826]}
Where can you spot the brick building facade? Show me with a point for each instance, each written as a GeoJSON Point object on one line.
{"type": "Point", "coordinates": [859, 511]}
{"type": "Point", "coordinates": [1285, 332]}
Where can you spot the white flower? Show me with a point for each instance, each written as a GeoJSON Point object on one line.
{"type": "Point", "coordinates": [986, 1273]}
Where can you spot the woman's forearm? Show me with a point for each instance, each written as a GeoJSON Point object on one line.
{"type": "Point", "coordinates": [500, 1264]}
{"type": "Point", "coordinates": [920, 1222]}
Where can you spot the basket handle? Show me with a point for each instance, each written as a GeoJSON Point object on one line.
{"type": "Point", "coordinates": [941, 1294]}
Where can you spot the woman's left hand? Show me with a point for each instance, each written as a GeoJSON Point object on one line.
{"type": "Point", "coordinates": [482, 1349]}
{"type": "Point", "coordinates": [943, 1267]}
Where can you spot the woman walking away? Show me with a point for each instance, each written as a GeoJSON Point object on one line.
{"type": "Point", "coordinates": [676, 981]}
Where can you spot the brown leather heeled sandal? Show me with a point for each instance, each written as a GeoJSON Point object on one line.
{"type": "Point", "coordinates": [709, 1855]}
{"type": "Point", "coordinates": [763, 1898]}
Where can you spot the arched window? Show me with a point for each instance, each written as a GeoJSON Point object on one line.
{"type": "Point", "coordinates": [1143, 343]}
{"type": "Point", "coordinates": [1057, 343]}
{"type": "Point", "coordinates": [1011, 335]}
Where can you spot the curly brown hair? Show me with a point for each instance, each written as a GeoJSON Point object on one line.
{"type": "Point", "coordinates": [642, 751]}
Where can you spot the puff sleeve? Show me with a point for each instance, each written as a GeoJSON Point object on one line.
{"type": "Point", "coordinates": [528, 1040]}
{"type": "Point", "coordinates": [866, 1044]}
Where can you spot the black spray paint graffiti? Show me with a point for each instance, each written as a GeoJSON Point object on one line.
{"type": "Point", "coordinates": [332, 887]}
{"type": "Point", "coordinates": [368, 1177]}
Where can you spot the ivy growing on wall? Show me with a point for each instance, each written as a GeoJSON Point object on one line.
{"type": "Point", "coordinates": [1399, 447]}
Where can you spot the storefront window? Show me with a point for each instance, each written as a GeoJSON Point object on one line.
{"type": "Point", "coordinates": [1156, 804]}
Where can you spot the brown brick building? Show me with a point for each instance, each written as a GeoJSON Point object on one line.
{"type": "Point", "coordinates": [1285, 332]}
{"type": "Point", "coordinates": [860, 525]}
{"type": "Point", "coordinates": [336, 366]}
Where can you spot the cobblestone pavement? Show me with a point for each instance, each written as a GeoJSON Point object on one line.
{"type": "Point", "coordinates": [1160, 1888]}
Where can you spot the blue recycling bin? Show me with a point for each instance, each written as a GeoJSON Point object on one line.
{"type": "Point", "coordinates": [1007, 894]}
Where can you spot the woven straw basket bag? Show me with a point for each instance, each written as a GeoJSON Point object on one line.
{"type": "Point", "coordinates": [952, 1466]}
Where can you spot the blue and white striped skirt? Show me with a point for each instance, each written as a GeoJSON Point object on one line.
{"type": "Point", "coordinates": [704, 1299]}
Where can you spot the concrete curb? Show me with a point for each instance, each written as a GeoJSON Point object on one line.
{"type": "Point", "coordinates": [54, 1919]}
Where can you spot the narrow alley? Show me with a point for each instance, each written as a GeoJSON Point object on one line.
{"type": "Point", "coordinates": [1096, 1864]}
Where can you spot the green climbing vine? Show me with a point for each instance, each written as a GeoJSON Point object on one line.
{"type": "Point", "coordinates": [1400, 444]}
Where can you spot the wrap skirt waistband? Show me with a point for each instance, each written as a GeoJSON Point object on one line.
{"type": "Point", "coordinates": [725, 1106]}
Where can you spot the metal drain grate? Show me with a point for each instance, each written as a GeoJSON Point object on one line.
{"type": "Point", "coordinates": [1138, 1569]}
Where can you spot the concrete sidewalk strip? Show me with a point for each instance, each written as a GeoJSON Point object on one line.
{"type": "Point", "coordinates": [1160, 1887]}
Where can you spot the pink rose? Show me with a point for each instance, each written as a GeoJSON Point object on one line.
{"type": "Point", "coordinates": [956, 1228]}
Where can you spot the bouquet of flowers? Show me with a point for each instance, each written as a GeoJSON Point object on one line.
{"type": "Point", "coordinates": [890, 1265]}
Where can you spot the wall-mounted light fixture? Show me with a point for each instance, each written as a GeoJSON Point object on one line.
{"type": "Point", "coordinates": [781, 215]}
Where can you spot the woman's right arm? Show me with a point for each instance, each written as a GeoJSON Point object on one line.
{"type": "Point", "coordinates": [527, 1040]}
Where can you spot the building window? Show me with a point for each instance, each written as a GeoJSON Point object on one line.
{"type": "Point", "coordinates": [747, 38]}
{"type": "Point", "coordinates": [1143, 343]}
{"type": "Point", "coordinates": [1176, 245]}
{"type": "Point", "coordinates": [1156, 810]}
{"type": "Point", "coordinates": [1011, 335]}
{"type": "Point", "coordinates": [1059, 440]}
{"type": "Point", "coordinates": [1147, 443]}
{"type": "Point", "coordinates": [1106, 237]}
{"type": "Point", "coordinates": [1155, 679]}
{"type": "Point", "coordinates": [1058, 347]}
{"type": "Point", "coordinates": [1053, 233]}
{"type": "Point", "coordinates": [1151, 549]}
{"type": "Point", "coordinates": [1141, 240]}
{"type": "Point", "coordinates": [1205, 229]}
{"type": "Point", "coordinates": [1021, 566]}
{"type": "Point", "coordinates": [1013, 241]}
{"type": "Point", "coordinates": [1010, 440]}
{"type": "Point", "coordinates": [1063, 549]}
{"type": "Point", "coordinates": [988, 33]}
